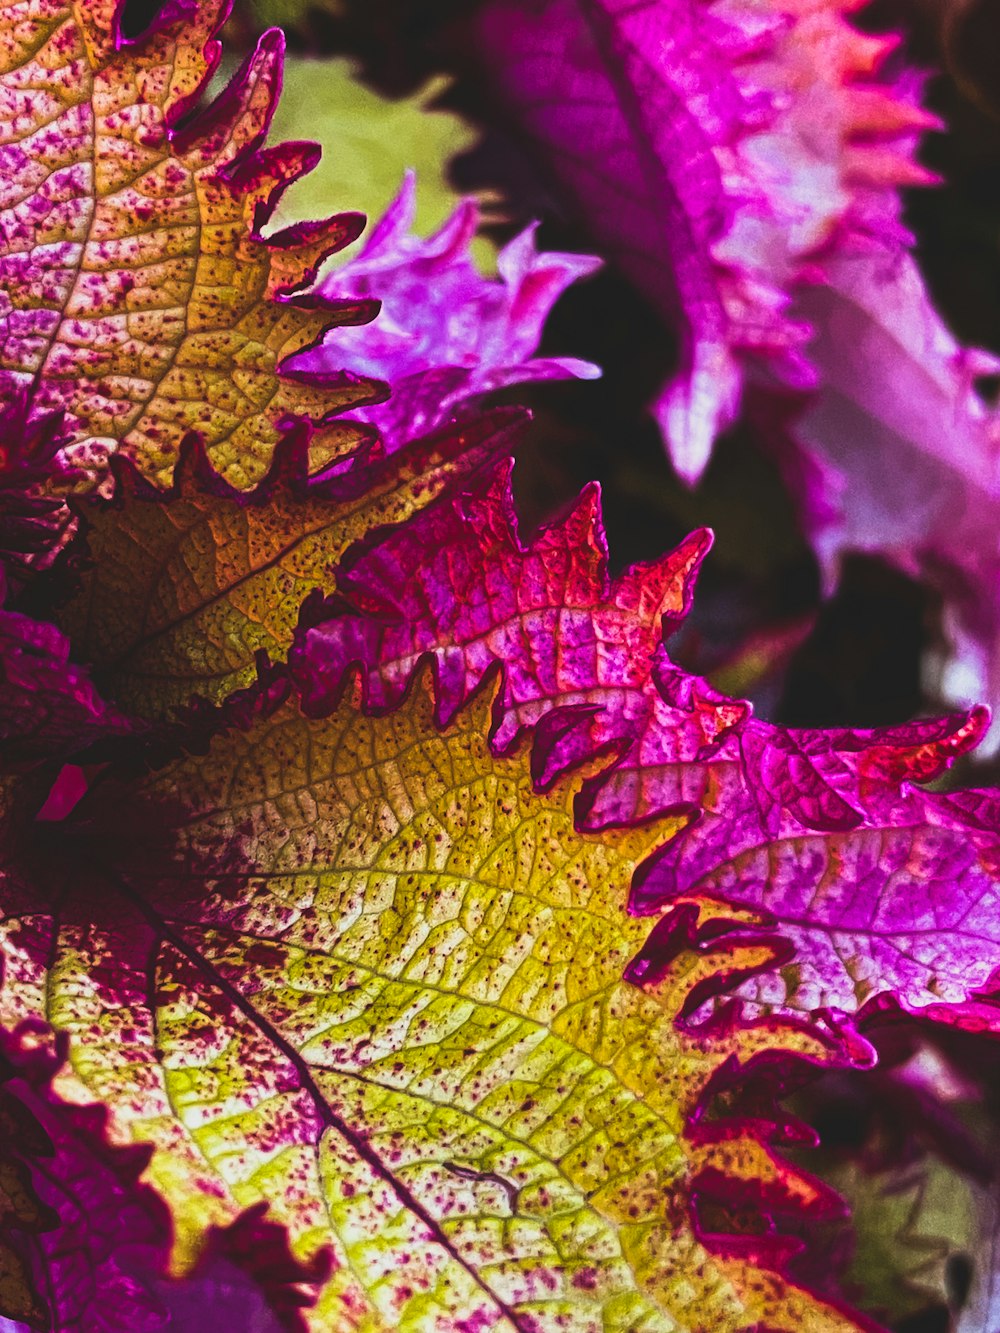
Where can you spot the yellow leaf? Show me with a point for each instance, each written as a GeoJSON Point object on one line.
{"type": "Point", "coordinates": [138, 294]}
{"type": "Point", "coordinates": [380, 985]}
{"type": "Point", "coordinates": [178, 598]}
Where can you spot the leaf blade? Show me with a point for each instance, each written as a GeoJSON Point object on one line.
{"type": "Point", "coordinates": [182, 592]}
{"type": "Point", "coordinates": [148, 306]}
{"type": "Point", "coordinates": [310, 1019]}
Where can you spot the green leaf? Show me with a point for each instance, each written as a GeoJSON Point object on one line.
{"type": "Point", "coordinates": [369, 142]}
{"type": "Point", "coordinates": [908, 1220]}
{"type": "Point", "coordinates": [178, 598]}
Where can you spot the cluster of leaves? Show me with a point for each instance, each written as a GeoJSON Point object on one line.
{"type": "Point", "coordinates": [393, 936]}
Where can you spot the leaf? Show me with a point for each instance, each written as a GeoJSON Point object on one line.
{"type": "Point", "coordinates": [717, 152]}
{"type": "Point", "coordinates": [86, 1243]}
{"type": "Point", "coordinates": [136, 292]}
{"type": "Point", "coordinates": [878, 887]}
{"type": "Point", "coordinates": [183, 590]}
{"type": "Point", "coordinates": [983, 1306]}
{"type": "Point", "coordinates": [909, 1221]}
{"type": "Point", "coordinates": [446, 336]}
{"type": "Point", "coordinates": [357, 967]}
{"type": "Point", "coordinates": [31, 522]}
{"type": "Point", "coordinates": [745, 180]}
{"type": "Point", "coordinates": [49, 707]}
{"type": "Point", "coordinates": [910, 1146]}
{"type": "Point", "coordinates": [898, 396]}
{"type": "Point", "coordinates": [464, 587]}
{"type": "Point", "coordinates": [84, 1226]}
{"type": "Point", "coordinates": [369, 142]}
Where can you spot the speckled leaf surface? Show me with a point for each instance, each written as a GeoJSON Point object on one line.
{"type": "Point", "coordinates": [569, 636]}
{"type": "Point", "coordinates": [85, 1243]}
{"type": "Point", "coordinates": [136, 291]}
{"type": "Point", "coordinates": [376, 979]}
{"type": "Point", "coordinates": [879, 888]}
{"type": "Point", "coordinates": [178, 598]}
{"type": "Point", "coordinates": [78, 1229]}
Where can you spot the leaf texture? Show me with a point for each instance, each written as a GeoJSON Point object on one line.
{"type": "Point", "coordinates": [85, 1243]}
{"type": "Point", "coordinates": [747, 181]}
{"type": "Point", "coordinates": [377, 980]}
{"type": "Point", "coordinates": [446, 336]}
{"type": "Point", "coordinates": [137, 294]}
{"type": "Point", "coordinates": [77, 1226]}
{"type": "Point", "coordinates": [569, 639]}
{"type": "Point", "coordinates": [878, 887]}
{"type": "Point", "coordinates": [182, 591]}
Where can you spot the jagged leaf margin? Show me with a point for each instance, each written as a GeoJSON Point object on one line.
{"type": "Point", "coordinates": [138, 295]}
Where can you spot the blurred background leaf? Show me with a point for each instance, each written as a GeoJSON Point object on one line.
{"type": "Point", "coordinates": [368, 143]}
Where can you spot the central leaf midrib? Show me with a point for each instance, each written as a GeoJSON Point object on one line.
{"type": "Point", "coordinates": [356, 1142]}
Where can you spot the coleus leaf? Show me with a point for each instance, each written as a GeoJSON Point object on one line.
{"type": "Point", "coordinates": [183, 590]}
{"type": "Point", "coordinates": [729, 147]}
{"type": "Point", "coordinates": [369, 142]}
{"type": "Point", "coordinates": [137, 294]}
{"type": "Point", "coordinates": [911, 1148]}
{"type": "Point", "coordinates": [878, 887]}
{"type": "Point", "coordinates": [78, 1227]}
{"type": "Point", "coordinates": [446, 335]}
{"type": "Point", "coordinates": [31, 521]}
{"type": "Point", "coordinates": [909, 1221]}
{"type": "Point", "coordinates": [747, 185]}
{"type": "Point", "coordinates": [49, 706]}
{"type": "Point", "coordinates": [898, 395]}
{"type": "Point", "coordinates": [357, 966]}
{"type": "Point", "coordinates": [86, 1243]}
{"type": "Point", "coordinates": [569, 639]}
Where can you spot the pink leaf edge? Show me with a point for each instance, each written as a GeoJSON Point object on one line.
{"type": "Point", "coordinates": [879, 887]}
{"type": "Point", "coordinates": [732, 148]}
{"type": "Point", "coordinates": [446, 336]}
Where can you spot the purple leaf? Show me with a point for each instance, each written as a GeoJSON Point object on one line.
{"type": "Point", "coordinates": [85, 1244]}
{"type": "Point", "coordinates": [898, 401]}
{"type": "Point", "coordinates": [49, 707]}
{"type": "Point", "coordinates": [717, 152]}
{"type": "Point", "coordinates": [879, 887]}
{"type": "Point", "coordinates": [445, 336]}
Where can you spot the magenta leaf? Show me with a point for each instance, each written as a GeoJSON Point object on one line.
{"type": "Point", "coordinates": [577, 649]}
{"type": "Point", "coordinates": [898, 400]}
{"type": "Point", "coordinates": [445, 335]}
{"type": "Point", "coordinates": [49, 707]}
{"type": "Point", "coordinates": [879, 887]}
{"type": "Point", "coordinates": [716, 152]}
{"type": "Point", "coordinates": [31, 521]}
{"type": "Point", "coordinates": [87, 1234]}
{"type": "Point", "coordinates": [91, 1241]}
{"type": "Point", "coordinates": [743, 170]}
